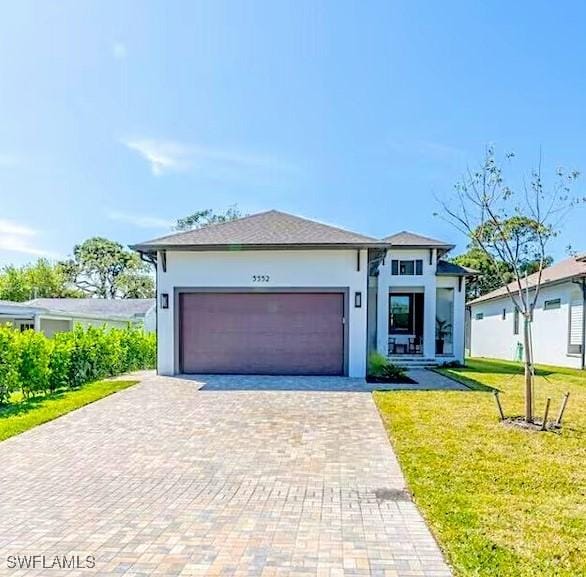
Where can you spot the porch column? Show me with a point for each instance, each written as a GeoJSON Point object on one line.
{"type": "Point", "coordinates": [429, 322]}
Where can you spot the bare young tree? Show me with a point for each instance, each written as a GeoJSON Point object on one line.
{"type": "Point", "coordinates": [513, 226]}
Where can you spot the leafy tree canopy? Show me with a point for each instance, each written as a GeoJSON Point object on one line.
{"type": "Point", "coordinates": [521, 233]}
{"type": "Point", "coordinates": [104, 268]}
{"type": "Point", "coordinates": [41, 279]}
{"type": "Point", "coordinates": [207, 216]}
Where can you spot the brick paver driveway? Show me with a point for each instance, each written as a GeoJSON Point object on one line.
{"type": "Point", "coordinates": [165, 479]}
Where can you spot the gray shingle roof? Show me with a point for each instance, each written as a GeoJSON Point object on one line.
{"type": "Point", "coordinates": [569, 268]}
{"type": "Point", "coordinates": [265, 229]}
{"type": "Point", "coordinates": [410, 239]}
{"type": "Point", "coordinates": [445, 268]}
{"type": "Point", "coordinates": [123, 308]}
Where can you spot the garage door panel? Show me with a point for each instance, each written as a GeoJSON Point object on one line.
{"type": "Point", "coordinates": [263, 333]}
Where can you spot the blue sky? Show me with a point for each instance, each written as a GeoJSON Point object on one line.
{"type": "Point", "coordinates": [118, 117]}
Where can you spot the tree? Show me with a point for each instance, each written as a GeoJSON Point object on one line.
{"type": "Point", "coordinates": [513, 228]}
{"type": "Point", "coordinates": [104, 268]}
{"type": "Point", "coordinates": [489, 279]}
{"type": "Point", "coordinates": [41, 279]}
{"type": "Point", "coordinates": [207, 216]}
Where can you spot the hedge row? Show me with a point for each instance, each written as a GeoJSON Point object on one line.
{"type": "Point", "coordinates": [37, 365]}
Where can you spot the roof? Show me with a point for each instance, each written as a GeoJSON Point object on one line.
{"type": "Point", "coordinates": [16, 308]}
{"type": "Point", "coordinates": [408, 239]}
{"type": "Point", "coordinates": [124, 308]}
{"type": "Point", "coordinates": [573, 267]}
{"type": "Point", "coordinates": [445, 268]}
{"type": "Point", "coordinates": [271, 229]}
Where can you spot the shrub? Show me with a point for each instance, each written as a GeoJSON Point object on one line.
{"type": "Point", "coordinates": [9, 363]}
{"type": "Point", "coordinates": [35, 350]}
{"type": "Point", "coordinates": [379, 366]}
{"type": "Point", "coordinates": [39, 365]}
{"type": "Point", "coordinates": [60, 361]}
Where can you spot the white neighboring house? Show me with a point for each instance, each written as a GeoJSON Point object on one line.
{"type": "Point", "coordinates": [274, 293]}
{"type": "Point", "coordinates": [558, 326]}
{"type": "Point", "coordinates": [51, 316]}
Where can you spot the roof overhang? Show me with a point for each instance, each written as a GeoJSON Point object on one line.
{"type": "Point", "coordinates": [485, 298]}
{"type": "Point", "coordinates": [153, 248]}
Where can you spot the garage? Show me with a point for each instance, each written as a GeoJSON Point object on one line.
{"type": "Point", "coordinates": [283, 333]}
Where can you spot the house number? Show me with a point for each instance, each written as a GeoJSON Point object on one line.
{"type": "Point", "coordinates": [261, 278]}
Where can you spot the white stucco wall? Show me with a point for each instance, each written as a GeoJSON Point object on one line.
{"type": "Point", "coordinates": [493, 337]}
{"type": "Point", "coordinates": [285, 269]}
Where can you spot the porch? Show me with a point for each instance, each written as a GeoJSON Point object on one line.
{"type": "Point", "coordinates": [418, 329]}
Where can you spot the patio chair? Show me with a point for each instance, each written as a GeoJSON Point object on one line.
{"type": "Point", "coordinates": [414, 345]}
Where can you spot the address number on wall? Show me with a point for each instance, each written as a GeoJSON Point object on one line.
{"type": "Point", "coordinates": [261, 278]}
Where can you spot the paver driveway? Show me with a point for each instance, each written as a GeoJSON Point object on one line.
{"type": "Point", "coordinates": [164, 479]}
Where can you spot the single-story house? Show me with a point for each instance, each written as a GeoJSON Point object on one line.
{"type": "Point", "coordinates": [558, 327]}
{"type": "Point", "coordinates": [54, 315]}
{"type": "Point", "coordinates": [274, 293]}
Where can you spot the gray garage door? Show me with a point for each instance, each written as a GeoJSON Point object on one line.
{"type": "Point", "coordinates": [297, 333]}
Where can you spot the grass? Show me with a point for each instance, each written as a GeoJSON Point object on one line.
{"type": "Point", "coordinates": [25, 414]}
{"type": "Point", "coordinates": [501, 501]}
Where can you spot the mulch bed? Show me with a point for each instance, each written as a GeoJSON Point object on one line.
{"type": "Point", "coordinates": [390, 380]}
{"type": "Point", "coordinates": [521, 423]}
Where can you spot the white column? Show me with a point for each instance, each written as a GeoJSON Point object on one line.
{"type": "Point", "coordinates": [429, 305]}
{"type": "Point", "coordinates": [382, 337]}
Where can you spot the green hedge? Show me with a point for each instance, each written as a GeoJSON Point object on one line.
{"type": "Point", "coordinates": [36, 365]}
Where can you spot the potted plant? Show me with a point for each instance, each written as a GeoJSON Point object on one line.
{"type": "Point", "coordinates": [442, 331]}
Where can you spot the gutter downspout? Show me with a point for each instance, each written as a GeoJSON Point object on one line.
{"type": "Point", "coordinates": [582, 284]}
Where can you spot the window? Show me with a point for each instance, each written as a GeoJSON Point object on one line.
{"type": "Point", "coordinates": [504, 314]}
{"type": "Point", "coordinates": [516, 321]}
{"type": "Point", "coordinates": [576, 326]}
{"type": "Point", "coordinates": [27, 327]}
{"type": "Point", "coordinates": [407, 267]}
{"type": "Point", "coordinates": [552, 304]}
{"type": "Point", "coordinates": [401, 314]}
{"type": "Point", "coordinates": [479, 316]}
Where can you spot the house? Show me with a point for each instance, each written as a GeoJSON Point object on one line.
{"type": "Point", "coordinates": [558, 327]}
{"type": "Point", "coordinates": [56, 315]}
{"type": "Point", "coordinates": [274, 293]}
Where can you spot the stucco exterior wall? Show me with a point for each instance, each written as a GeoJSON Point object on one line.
{"type": "Point", "coordinates": [50, 327]}
{"type": "Point", "coordinates": [284, 269]}
{"type": "Point", "coordinates": [493, 337]}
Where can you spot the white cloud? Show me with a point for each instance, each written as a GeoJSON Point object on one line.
{"type": "Point", "coordinates": [141, 221]}
{"type": "Point", "coordinates": [9, 227]}
{"type": "Point", "coordinates": [163, 155]}
{"type": "Point", "coordinates": [172, 156]}
{"type": "Point", "coordinates": [119, 50]}
{"type": "Point", "coordinates": [15, 237]}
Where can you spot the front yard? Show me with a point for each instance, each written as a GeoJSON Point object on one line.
{"type": "Point", "coordinates": [501, 501]}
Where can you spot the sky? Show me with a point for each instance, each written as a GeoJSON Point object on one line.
{"type": "Point", "coordinates": [116, 118]}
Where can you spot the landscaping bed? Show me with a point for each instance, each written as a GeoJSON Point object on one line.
{"type": "Point", "coordinates": [502, 501]}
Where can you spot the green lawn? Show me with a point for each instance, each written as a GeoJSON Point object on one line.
{"type": "Point", "coordinates": [501, 501]}
{"type": "Point", "coordinates": [25, 414]}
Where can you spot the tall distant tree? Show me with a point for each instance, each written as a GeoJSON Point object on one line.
{"type": "Point", "coordinates": [513, 227]}
{"type": "Point", "coordinates": [41, 279]}
{"type": "Point", "coordinates": [490, 279]}
{"type": "Point", "coordinates": [104, 268]}
{"type": "Point", "coordinates": [207, 216]}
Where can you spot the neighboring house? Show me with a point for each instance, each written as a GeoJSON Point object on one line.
{"type": "Point", "coordinates": [52, 316]}
{"type": "Point", "coordinates": [274, 293]}
{"type": "Point", "coordinates": [558, 327]}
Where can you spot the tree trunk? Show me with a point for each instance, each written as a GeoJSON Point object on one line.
{"type": "Point", "coordinates": [528, 371]}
